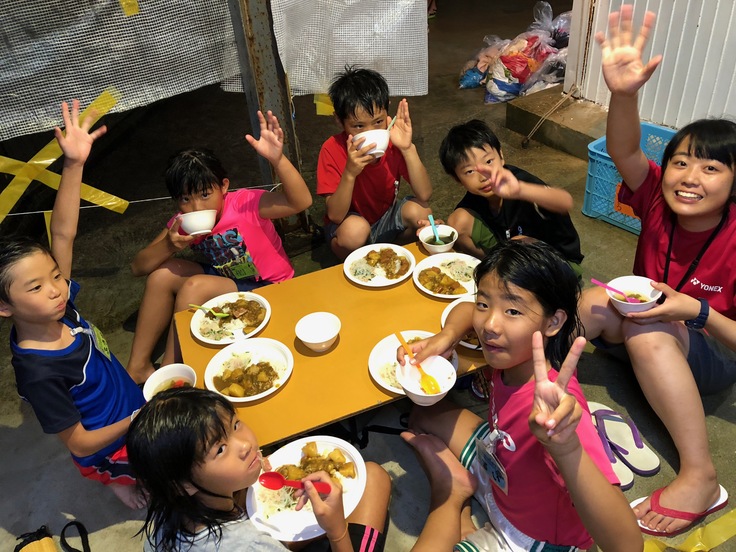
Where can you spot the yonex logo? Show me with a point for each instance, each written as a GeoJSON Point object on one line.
{"type": "Point", "coordinates": [705, 287]}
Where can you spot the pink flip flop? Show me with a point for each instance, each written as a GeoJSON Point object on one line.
{"type": "Point", "coordinates": [655, 506]}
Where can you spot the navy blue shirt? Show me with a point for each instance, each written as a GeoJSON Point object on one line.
{"type": "Point", "coordinates": [80, 383]}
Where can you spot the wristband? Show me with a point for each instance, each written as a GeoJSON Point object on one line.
{"type": "Point", "coordinates": [698, 323]}
{"type": "Point", "coordinates": [341, 536]}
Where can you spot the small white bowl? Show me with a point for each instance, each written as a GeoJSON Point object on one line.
{"type": "Point", "coordinates": [379, 136]}
{"type": "Point", "coordinates": [426, 236]}
{"type": "Point", "coordinates": [633, 285]}
{"type": "Point", "coordinates": [169, 376]}
{"type": "Point", "coordinates": [318, 330]}
{"type": "Point", "coordinates": [437, 366]}
{"type": "Point", "coordinates": [195, 223]}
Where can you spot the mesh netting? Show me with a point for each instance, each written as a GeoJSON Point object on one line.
{"type": "Point", "coordinates": [54, 50]}
{"type": "Point", "coordinates": [316, 38]}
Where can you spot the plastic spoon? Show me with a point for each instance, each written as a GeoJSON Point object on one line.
{"type": "Point", "coordinates": [275, 481]}
{"type": "Point", "coordinates": [437, 240]}
{"type": "Point", "coordinates": [621, 293]}
{"type": "Point", "coordinates": [213, 312]}
{"type": "Point", "coordinates": [428, 383]}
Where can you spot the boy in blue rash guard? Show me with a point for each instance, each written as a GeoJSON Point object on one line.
{"type": "Point", "coordinates": [63, 366]}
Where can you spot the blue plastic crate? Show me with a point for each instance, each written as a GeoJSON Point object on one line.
{"type": "Point", "coordinates": [601, 186]}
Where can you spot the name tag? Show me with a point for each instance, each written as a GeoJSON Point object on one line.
{"type": "Point", "coordinates": [99, 341]}
{"type": "Point", "coordinates": [490, 463]}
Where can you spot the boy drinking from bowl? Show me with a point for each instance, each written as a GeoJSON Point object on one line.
{"type": "Point", "coordinates": [503, 202]}
{"type": "Point", "coordinates": [360, 189]}
{"type": "Point", "coordinates": [63, 366]}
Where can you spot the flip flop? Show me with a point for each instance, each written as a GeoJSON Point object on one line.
{"type": "Point", "coordinates": [625, 440]}
{"type": "Point", "coordinates": [654, 505]}
{"type": "Point", "coordinates": [623, 473]}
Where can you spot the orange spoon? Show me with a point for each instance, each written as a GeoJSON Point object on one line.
{"type": "Point", "coordinates": [429, 383]}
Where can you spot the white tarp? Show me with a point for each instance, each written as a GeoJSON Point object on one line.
{"type": "Point", "coordinates": [316, 38]}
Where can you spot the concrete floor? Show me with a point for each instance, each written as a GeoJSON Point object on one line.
{"type": "Point", "coordinates": [40, 485]}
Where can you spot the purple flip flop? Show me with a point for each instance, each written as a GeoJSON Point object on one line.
{"type": "Point", "coordinates": [624, 439]}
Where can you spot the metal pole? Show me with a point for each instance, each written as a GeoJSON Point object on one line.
{"type": "Point", "coordinates": [264, 81]}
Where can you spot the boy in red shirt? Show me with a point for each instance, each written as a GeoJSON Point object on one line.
{"type": "Point", "coordinates": [360, 190]}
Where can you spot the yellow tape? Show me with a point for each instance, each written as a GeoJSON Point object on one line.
{"type": "Point", "coordinates": [702, 539]}
{"type": "Point", "coordinates": [47, 220]}
{"type": "Point", "coordinates": [25, 173]}
{"type": "Point", "coordinates": [130, 7]}
{"type": "Point", "coordinates": [323, 104]}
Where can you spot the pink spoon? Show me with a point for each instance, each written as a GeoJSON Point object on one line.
{"type": "Point", "coordinates": [275, 481]}
{"type": "Point", "coordinates": [621, 293]}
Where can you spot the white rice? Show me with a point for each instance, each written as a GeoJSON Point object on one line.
{"type": "Point", "coordinates": [216, 330]}
{"type": "Point", "coordinates": [362, 271]}
{"type": "Point", "coordinates": [457, 269]}
{"type": "Point", "coordinates": [388, 374]}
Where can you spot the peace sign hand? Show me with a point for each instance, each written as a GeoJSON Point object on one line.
{"type": "Point", "coordinates": [555, 413]}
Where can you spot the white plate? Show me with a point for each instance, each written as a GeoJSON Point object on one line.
{"type": "Point", "coordinates": [379, 280]}
{"type": "Point", "coordinates": [221, 300]}
{"type": "Point", "coordinates": [446, 313]}
{"type": "Point", "coordinates": [261, 349]}
{"type": "Point", "coordinates": [384, 353]}
{"type": "Point", "coordinates": [438, 260]}
{"type": "Point", "coordinates": [302, 525]}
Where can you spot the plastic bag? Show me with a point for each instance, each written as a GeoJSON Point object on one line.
{"type": "Point", "coordinates": [542, 18]}
{"type": "Point", "coordinates": [558, 28]}
{"type": "Point", "coordinates": [551, 72]}
{"type": "Point", "coordinates": [561, 30]}
{"type": "Point", "coordinates": [475, 71]}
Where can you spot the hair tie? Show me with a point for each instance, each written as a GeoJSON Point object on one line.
{"type": "Point", "coordinates": [341, 536]}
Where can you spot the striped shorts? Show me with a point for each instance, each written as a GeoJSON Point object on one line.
{"type": "Point", "coordinates": [364, 539]}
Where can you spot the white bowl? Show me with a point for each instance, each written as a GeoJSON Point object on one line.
{"type": "Point", "coordinates": [318, 330]}
{"type": "Point", "coordinates": [195, 223]}
{"type": "Point", "coordinates": [633, 284]}
{"type": "Point", "coordinates": [445, 232]}
{"type": "Point", "coordinates": [171, 373]}
{"type": "Point", "coordinates": [437, 366]}
{"type": "Point", "coordinates": [379, 137]}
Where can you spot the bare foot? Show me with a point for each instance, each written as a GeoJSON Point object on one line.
{"type": "Point", "coordinates": [130, 495]}
{"type": "Point", "coordinates": [140, 374]}
{"type": "Point", "coordinates": [684, 494]}
{"type": "Point", "coordinates": [447, 476]}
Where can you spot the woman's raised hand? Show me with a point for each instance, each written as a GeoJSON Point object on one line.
{"type": "Point", "coordinates": [623, 68]}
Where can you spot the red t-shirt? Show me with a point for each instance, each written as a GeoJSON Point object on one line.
{"type": "Point", "coordinates": [375, 188]}
{"type": "Point", "coordinates": [714, 278]}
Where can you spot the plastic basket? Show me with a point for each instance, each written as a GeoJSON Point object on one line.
{"type": "Point", "coordinates": [602, 184]}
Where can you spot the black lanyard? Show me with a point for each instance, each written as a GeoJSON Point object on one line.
{"type": "Point", "coordinates": [696, 261]}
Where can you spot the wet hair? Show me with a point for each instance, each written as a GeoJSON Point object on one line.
{"type": "Point", "coordinates": [12, 250]}
{"type": "Point", "coordinates": [461, 139]}
{"type": "Point", "coordinates": [358, 88]}
{"type": "Point", "coordinates": [193, 171]}
{"type": "Point", "coordinates": [169, 438]}
{"type": "Point", "coordinates": [539, 269]}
